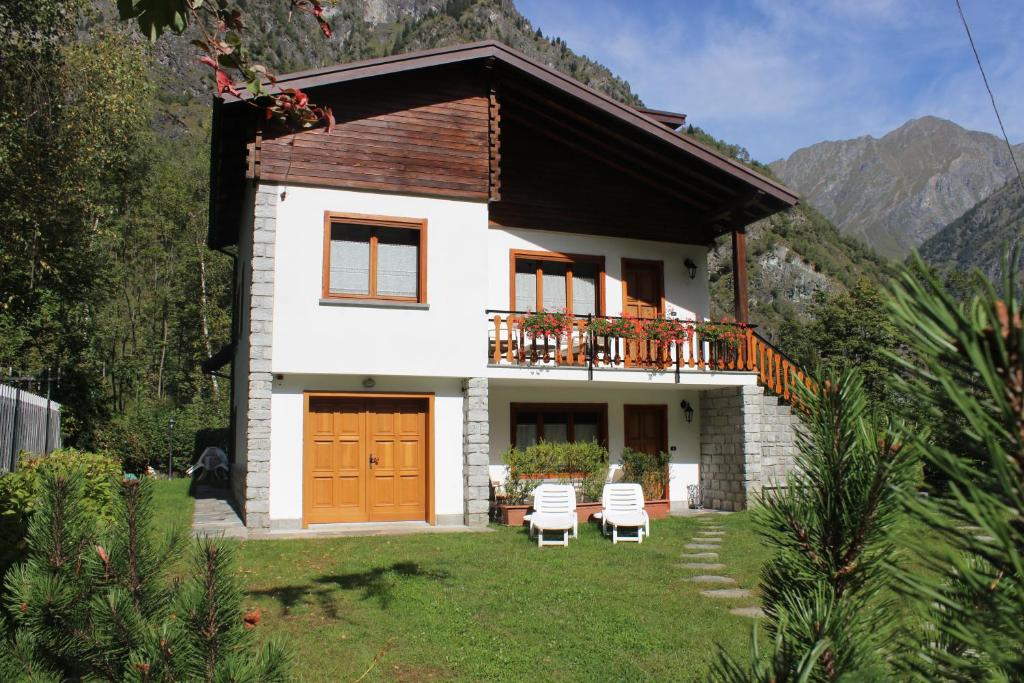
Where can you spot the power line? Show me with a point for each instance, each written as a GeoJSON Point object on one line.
{"type": "Point", "coordinates": [991, 97]}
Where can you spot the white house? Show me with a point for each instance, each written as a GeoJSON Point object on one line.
{"type": "Point", "coordinates": [381, 362]}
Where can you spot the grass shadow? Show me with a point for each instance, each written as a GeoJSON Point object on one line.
{"type": "Point", "coordinates": [377, 584]}
{"type": "Point", "coordinates": [380, 583]}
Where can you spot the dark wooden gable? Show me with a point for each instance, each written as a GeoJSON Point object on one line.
{"type": "Point", "coordinates": [483, 122]}
{"type": "Point", "coordinates": [569, 169]}
{"type": "Point", "coordinates": [422, 133]}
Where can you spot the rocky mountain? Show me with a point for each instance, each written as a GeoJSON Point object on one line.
{"type": "Point", "coordinates": [793, 255]}
{"type": "Point", "coordinates": [977, 238]}
{"type": "Point", "coordinates": [896, 191]}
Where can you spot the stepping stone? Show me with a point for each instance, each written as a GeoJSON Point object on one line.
{"type": "Point", "coordinates": [727, 593]}
{"type": "Point", "coordinates": [700, 556]}
{"type": "Point", "coordinates": [710, 578]}
{"type": "Point", "coordinates": [752, 612]}
{"type": "Point", "coordinates": [706, 566]}
{"type": "Point", "coordinates": [702, 546]}
{"type": "Point", "coordinates": [710, 534]}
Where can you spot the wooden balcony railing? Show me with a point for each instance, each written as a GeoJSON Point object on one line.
{"type": "Point", "coordinates": [510, 344]}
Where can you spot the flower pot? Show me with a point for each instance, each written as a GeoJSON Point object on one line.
{"type": "Point", "coordinates": [512, 515]}
{"type": "Point", "coordinates": [657, 509]}
{"type": "Point", "coordinates": [584, 511]}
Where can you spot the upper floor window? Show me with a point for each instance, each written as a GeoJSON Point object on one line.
{"type": "Point", "coordinates": [374, 257]}
{"type": "Point", "coordinates": [556, 282]}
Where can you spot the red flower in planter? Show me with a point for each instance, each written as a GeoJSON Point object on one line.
{"type": "Point", "coordinates": [547, 323]}
{"type": "Point", "coordinates": [666, 330]}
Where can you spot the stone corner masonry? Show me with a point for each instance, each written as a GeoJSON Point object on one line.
{"type": "Point", "coordinates": [260, 381]}
{"type": "Point", "coordinates": [747, 443]}
{"type": "Point", "coordinates": [475, 452]}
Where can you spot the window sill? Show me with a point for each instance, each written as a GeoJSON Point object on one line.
{"type": "Point", "coordinates": [376, 303]}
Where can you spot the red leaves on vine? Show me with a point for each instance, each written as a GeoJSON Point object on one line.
{"type": "Point", "coordinates": [316, 10]}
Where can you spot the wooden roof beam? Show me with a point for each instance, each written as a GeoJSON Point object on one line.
{"type": "Point", "coordinates": [730, 210]}
{"type": "Point", "coordinates": [590, 149]}
{"type": "Point", "coordinates": [702, 176]}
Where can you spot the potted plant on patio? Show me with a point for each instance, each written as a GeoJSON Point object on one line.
{"type": "Point", "coordinates": [514, 503]}
{"type": "Point", "coordinates": [651, 472]}
{"type": "Point", "coordinates": [583, 464]}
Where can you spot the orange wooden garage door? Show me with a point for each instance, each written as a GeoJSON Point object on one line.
{"type": "Point", "coordinates": [365, 460]}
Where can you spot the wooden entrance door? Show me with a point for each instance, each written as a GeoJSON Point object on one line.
{"type": "Point", "coordinates": [365, 460]}
{"type": "Point", "coordinates": [646, 428]}
{"type": "Point", "coordinates": [643, 288]}
{"type": "Point", "coordinates": [643, 297]}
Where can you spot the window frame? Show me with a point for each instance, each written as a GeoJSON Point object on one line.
{"type": "Point", "coordinates": [373, 221]}
{"type": "Point", "coordinates": [556, 257]}
{"type": "Point", "coordinates": [570, 408]}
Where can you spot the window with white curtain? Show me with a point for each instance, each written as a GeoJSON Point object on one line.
{"type": "Point", "coordinates": [558, 283]}
{"type": "Point", "coordinates": [374, 261]}
{"type": "Point", "coordinates": [558, 423]}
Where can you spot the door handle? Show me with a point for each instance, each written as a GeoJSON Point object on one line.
{"type": "Point", "coordinates": [373, 460]}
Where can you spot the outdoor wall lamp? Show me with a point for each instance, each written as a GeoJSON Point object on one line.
{"type": "Point", "coordinates": [687, 410]}
{"type": "Point", "coordinates": [691, 268]}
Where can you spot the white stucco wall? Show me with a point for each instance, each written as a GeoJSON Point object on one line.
{"type": "Point", "coordinates": [683, 435]}
{"type": "Point", "coordinates": [286, 437]}
{"type": "Point", "coordinates": [467, 273]}
{"type": "Point", "coordinates": [443, 340]}
{"type": "Point", "coordinates": [686, 298]}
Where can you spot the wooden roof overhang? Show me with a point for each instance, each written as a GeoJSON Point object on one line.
{"type": "Point", "coordinates": [569, 158]}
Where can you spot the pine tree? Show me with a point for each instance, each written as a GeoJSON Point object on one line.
{"type": "Point", "coordinates": [94, 603]}
{"type": "Point", "coordinates": [970, 358]}
{"type": "Point", "coordinates": [827, 607]}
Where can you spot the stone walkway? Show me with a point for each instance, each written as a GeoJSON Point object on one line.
{"type": "Point", "coordinates": [701, 556]}
{"type": "Point", "coordinates": [214, 514]}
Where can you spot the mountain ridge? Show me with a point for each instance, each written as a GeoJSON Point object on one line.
{"type": "Point", "coordinates": [978, 237]}
{"type": "Point", "coordinates": [897, 190]}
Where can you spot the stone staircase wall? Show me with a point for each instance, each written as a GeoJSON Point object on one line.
{"type": "Point", "coordinates": [747, 443]}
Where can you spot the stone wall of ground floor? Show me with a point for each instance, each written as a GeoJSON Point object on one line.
{"type": "Point", "coordinates": [747, 443]}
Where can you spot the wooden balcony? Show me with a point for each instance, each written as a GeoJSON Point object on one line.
{"type": "Point", "coordinates": [510, 343]}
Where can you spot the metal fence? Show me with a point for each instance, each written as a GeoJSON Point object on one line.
{"type": "Point", "coordinates": [28, 422]}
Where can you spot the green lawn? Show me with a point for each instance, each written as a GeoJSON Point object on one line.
{"type": "Point", "coordinates": [494, 606]}
{"type": "Point", "coordinates": [172, 504]}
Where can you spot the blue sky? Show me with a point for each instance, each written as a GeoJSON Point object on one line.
{"type": "Point", "coordinates": [777, 75]}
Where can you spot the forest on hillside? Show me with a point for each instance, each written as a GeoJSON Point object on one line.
{"type": "Point", "coordinates": [106, 284]}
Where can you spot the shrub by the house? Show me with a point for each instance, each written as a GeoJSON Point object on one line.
{"type": "Point", "coordinates": [584, 464]}
{"type": "Point", "coordinates": [20, 494]}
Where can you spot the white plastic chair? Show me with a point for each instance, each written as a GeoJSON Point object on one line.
{"type": "Point", "coordinates": [212, 461]}
{"type": "Point", "coordinates": [554, 509]}
{"type": "Point", "coordinates": [623, 506]}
